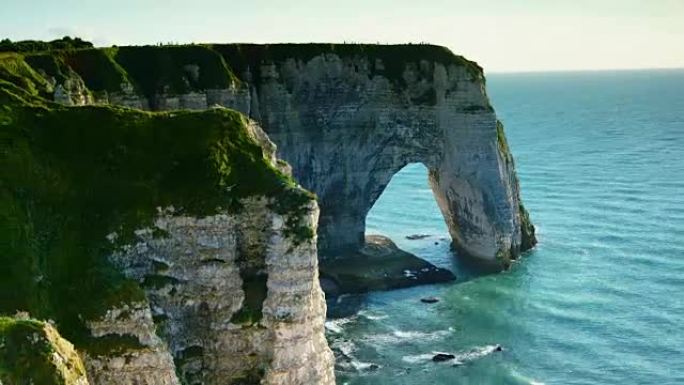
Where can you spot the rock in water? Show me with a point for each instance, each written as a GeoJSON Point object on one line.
{"type": "Point", "coordinates": [380, 265]}
{"type": "Point", "coordinates": [441, 357]}
{"type": "Point", "coordinates": [414, 237]}
{"type": "Point", "coordinates": [429, 300]}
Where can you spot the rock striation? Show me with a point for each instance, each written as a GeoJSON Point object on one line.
{"type": "Point", "coordinates": [169, 248]}
{"type": "Point", "coordinates": [235, 298]}
{"type": "Point", "coordinates": [346, 128]}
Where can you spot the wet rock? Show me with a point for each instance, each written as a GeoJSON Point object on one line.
{"type": "Point", "coordinates": [414, 237]}
{"type": "Point", "coordinates": [441, 357]}
{"type": "Point", "coordinates": [429, 300]}
{"type": "Point", "coordinates": [379, 265]}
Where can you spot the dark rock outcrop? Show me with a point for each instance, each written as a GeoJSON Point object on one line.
{"type": "Point", "coordinates": [429, 300]}
{"type": "Point", "coordinates": [441, 357]}
{"type": "Point", "coordinates": [378, 265]}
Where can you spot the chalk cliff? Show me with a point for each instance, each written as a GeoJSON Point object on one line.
{"type": "Point", "coordinates": [169, 248]}
{"type": "Point", "coordinates": [173, 247]}
{"type": "Point", "coordinates": [346, 117]}
{"type": "Point", "coordinates": [348, 121]}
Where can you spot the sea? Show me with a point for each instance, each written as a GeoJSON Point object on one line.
{"type": "Point", "coordinates": [600, 300]}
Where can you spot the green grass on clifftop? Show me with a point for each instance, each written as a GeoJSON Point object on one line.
{"type": "Point", "coordinates": [14, 69]}
{"type": "Point", "coordinates": [394, 58]}
{"type": "Point", "coordinates": [25, 46]}
{"type": "Point", "coordinates": [179, 69]}
{"type": "Point", "coordinates": [96, 67]}
{"type": "Point", "coordinates": [69, 176]}
{"type": "Point", "coordinates": [175, 69]}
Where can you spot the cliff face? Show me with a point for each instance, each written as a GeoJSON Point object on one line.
{"type": "Point", "coordinates": [347, 118]}
{"type": "Point", "coordinates": [170, 248]}
{"type": "Point", "coordinates": [234, 296]}
{"type": "Point", "coordinates": [347, 127]}
{"type": "Point", "coordinates": [173, 247]}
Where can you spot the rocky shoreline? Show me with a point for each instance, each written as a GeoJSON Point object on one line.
{"type": "Point", "coordinates": [378, 265]}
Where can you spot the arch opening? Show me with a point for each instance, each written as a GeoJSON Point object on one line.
{"type": "Point", "coordinates": [406, 240]}
{"type": "Point", "coordinates": [407, 213]}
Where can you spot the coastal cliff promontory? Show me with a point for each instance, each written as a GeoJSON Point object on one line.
{"type": "Point", "coordinates": [146, 217]}
{"type": "Point", "coordinates": [346, 118]}
{"type": "Point", "coordinates": [168, 248]}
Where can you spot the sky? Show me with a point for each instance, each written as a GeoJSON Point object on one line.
{"type": "Point", "coordinates": [501, 35]}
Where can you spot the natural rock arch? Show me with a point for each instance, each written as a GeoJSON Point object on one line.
{"type": "Point", "coordinates": [346, 132]}
{"type": "Point", "coordinates": [347, 117]}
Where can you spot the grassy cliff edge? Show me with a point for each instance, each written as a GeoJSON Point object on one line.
{"type": "Point", "coordinates": [71, 176]}
{"type": "Point", "coordinates": [178, 69]}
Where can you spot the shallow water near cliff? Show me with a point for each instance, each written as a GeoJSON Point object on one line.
{"type": "Point", "coordinates": [600, 156]}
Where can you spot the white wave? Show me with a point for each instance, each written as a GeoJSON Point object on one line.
{"type": "Point", "coordinates": [524, 379]}
{"type": "Point", "coordinates": [460, 358]}
{"type": "Point", "coordinates": [417, 358]}
{"type": "Point", "coordinates": [345, 347]}
{"type": "Point", "coordinates": [372, 317]}
{"type": "Point", "coordinates": [336, 325]}
{"type": "Point", "coordinates": [398, 336]}
{"type": "Point", "coordinates": [352, 364]}
{"type": "Point", "coordinates": [476, 353]}
{"type": "Point", "coordinates": [359, 365]}
{"type": "Point", "coordinates": [342, 298]}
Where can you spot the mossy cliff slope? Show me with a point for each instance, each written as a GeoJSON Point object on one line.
{"type": "Point", "coordinates": [81, 186]}
{"type": "Point", "coordinates": [346, 117]}
{"type": "Point", "coordinates": [33, 353]}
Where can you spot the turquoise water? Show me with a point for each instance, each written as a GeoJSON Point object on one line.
{"type": "Point", "coordinates": [600, 157]}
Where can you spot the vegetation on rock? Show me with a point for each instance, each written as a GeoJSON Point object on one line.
{"type": "Point", "coordinates": [386, 60]}
{"type": "Point", "coordinates": [96, 67]}
{"type": "Point", "coordinates": [528, 237]}
{"type": "Point", "coordinates": [33, 353]}
{"type": "Point", "coordinates": [175, 69]}
{"type": "Point", "coordinates": [6, 45]}
{"type": "Point", "coordinates": [179, 69]}
{"type": "Point", "coordinates": [71, 176]}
